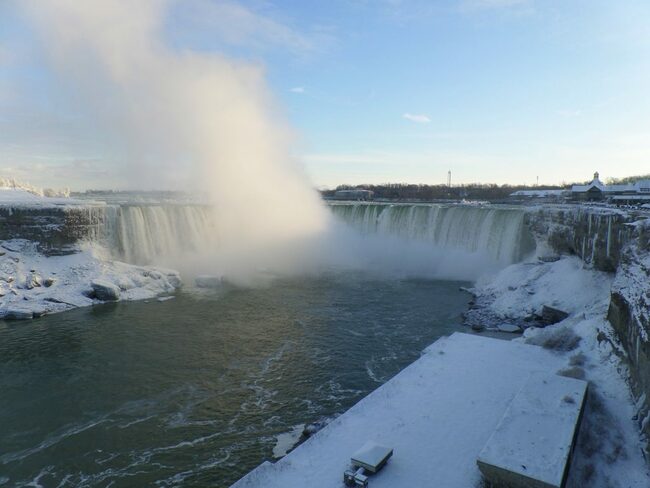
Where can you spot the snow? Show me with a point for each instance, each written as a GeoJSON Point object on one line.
{"type": "Point", "coordinates": [535, 436]}
{"type": "Point", "coordinates": [436, 414]}
{"type": "Point", "coordinates": [32, 282]}
{"type": "Point", "coordinates": [523, 289]}
{"type": "Point", "coordinates": [286, 440]}
{"type": "Point", "coordinates": [20, 197]}
{"type": "Point", "coordinates": [439, 413]}
{"type": "Point", "coordinates": [371, 456]}
{"type": "Point", "coordinates": [609, 451]}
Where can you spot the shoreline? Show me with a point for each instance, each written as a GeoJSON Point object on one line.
{"type": "Point", "coordinates": [609, 449]}
{"type": "Point", "coordinates": [33, 285]}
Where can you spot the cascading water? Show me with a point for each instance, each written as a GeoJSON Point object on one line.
{"type": "Point", "coordinates": [149, 234]}
{"type": "Point", "coordinates": [463, 241]}
{"type": "Point", "coordinates": [498, 231]}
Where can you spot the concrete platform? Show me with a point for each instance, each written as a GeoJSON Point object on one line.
{"type": "Point", "coordinates": [532, 445]}
{"type": "Point", "coordinates": [437, 414]}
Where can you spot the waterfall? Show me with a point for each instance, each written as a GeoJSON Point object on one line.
{"type": "Point", "coordinates": [143, 234]}
{"type": "Point", "coordinates": [471, 236]}
{"type": "Point", "coordinates": [497, 231]}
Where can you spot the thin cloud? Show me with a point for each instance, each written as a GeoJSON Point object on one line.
{"type": "Point", "coordinates": [479, 5]}
{"type": "Point", "coordinates": [418, 118]}
{"type": "Point", "coordinates": [235, 24]}
{"type": "Point", "coordinates": [297, 89]}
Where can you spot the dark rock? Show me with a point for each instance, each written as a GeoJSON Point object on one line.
{"type": "Point", "coordinates": [573, 372]}
{"type": "Point", "coordinates": [49, 282]}
{"type": "Point", "coordinates": [312, 428]}
{"type": "Point", "coordinates": [551, 315]}
{"type": "Point", "coordinates": [51, 230]}
{"type": "Point", "coordinates": [18, 314]}
{"type": "Point", "coordinates": [105, 290]}
{"type": "Point", "coordinates": [33, 281]}
{"type": "Point", "coordinates": [549, 259]}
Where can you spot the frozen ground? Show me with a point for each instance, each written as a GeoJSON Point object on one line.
{"type": "Point", "coordinates": [32, 284]}
{"type": "Point", "coordinates": [439, 412]}
{"type": "Point", "coordinates": [33, 197]}
{"type": "Point", "coordinates": [610, 452]}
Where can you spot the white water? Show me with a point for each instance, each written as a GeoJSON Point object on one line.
{"type": "Point", "coordinates": [159, 234]}
{"type": "Point", "coordinates": [497, 232]}
{"type": "Point", "coordinates": [452, 241]}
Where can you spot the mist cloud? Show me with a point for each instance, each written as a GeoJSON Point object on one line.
{"type": "Point", "coordinates": [183, 119]}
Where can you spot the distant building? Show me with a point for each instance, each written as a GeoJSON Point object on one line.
{"type": "Point", "coordinates": [591, 191]}
{"type": "Point", "coordinates": [353, 195]}
{"type": "Point", "coordinates": [638, 192]}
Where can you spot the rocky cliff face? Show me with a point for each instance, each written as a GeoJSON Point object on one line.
{"type": "Point", "coordinates": [629, 314]}
{"type": "Point", "coordinates": [618, 242]}
{"type": "Point", "coordinates": [56, 230]}
{"type": "Point", "coordinates": [598, 235]}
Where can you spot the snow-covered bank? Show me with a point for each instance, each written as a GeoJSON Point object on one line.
{"type": "Point", "coordinates": [32, 284]}
{"type": "Point", "coordinates": [610, 450]}
{"type": "Point", "coordinates": [438, 413]}
{"type": "Point", "coordinates": [518, 293]}
{"type": "Point", "coordinates": [16, 196]}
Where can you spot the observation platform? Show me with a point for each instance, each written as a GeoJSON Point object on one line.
{"type": "Point", "coordinates": [437, 415]}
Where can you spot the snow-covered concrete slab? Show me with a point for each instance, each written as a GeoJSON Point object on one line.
{"type": "Point", "coordinates": [437, 414]}
{"type": "Point", "coordinates": [533, 443]}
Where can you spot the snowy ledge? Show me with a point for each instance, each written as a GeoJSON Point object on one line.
{"type": "Point", "coordinates": [22, 198]}
{"type": "Point", "coordinates": [438, 413]}
{"type": "Point", "coordinates": [32, 284]}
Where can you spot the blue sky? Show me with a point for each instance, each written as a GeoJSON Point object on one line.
{"type": "Point", "coordinates": [397, 90]}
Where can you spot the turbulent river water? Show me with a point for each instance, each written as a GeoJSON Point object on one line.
{"type": "Point", "coordinates": [195, 391]}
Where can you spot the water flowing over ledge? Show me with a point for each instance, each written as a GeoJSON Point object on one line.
{"type": "Point", "coordinates": [142, 234]}
{"type": "Point", "coordinates": [498, 231]}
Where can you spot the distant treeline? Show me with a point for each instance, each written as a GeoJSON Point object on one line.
{"type": "Point", "coordinates": [474, 191]}
{"type": "Point", "coordinates": [627, 179]}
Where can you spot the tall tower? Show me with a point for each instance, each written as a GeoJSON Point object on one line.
{"type": "Point", "coordinates": [449, 179]}
{"type": "Point", "coordinates": [596, 176]}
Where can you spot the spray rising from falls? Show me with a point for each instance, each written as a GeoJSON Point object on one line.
{"type": "Point", "coordinates": [182, 119]}
{"type": "Point", "coordinates": [178, 118]}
